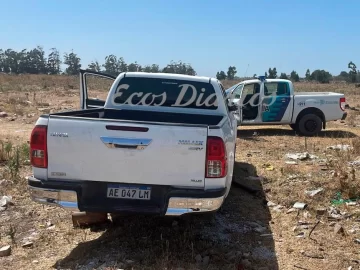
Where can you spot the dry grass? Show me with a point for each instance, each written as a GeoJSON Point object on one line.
{"type": "Point", "coordinates": [158, 243]}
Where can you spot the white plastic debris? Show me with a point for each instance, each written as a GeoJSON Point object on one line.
{"type": "Point", "coordinates": [5, 201]}
{"type": "Point", "coordinates": [292, 176]}
{"type": "Point", "coordinates": [278, 208]}
{"type": "Point", "coordinates": [300, 156]}
{"type": "Point", "coordinates": [350, 203]}
{"type": "Point", "coordinates": [5, 251]}
{"type": "Point", "coordinates": [342, 147]}
{"type": "Point", "coordinates": [291, 162]}
{"type": "Point", "coordinates": [299, 205]}
{"type": "Point", "coordinates": [271, 204]}
{"type": "Point", "coordinates": [312, 193]}
{"type": "Point", "coordinates": [356, 162]}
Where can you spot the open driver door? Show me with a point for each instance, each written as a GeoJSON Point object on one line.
{"type": "Point", "coordinates": [94, 88]}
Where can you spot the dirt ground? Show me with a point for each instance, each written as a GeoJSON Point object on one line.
{"type": "Point", "coordinates": [257, 228]}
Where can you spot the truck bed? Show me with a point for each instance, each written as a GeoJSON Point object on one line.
{"type": "Point", "coordinates": [144, 116]}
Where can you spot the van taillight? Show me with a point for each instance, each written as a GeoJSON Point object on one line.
{"type": "Point", "coordinates": [216, 160]}
{"type": "Point", "coordinates": [38, 147]}
{"type": "Point", "coordinates": [342, 103]}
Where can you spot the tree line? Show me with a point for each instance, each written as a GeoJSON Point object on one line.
{"type": "Point", "coordinates": [319, 75]}
{"type": "Point", "coordinates": [35, 61]}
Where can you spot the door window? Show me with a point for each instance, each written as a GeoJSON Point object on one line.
{"type": "Point", "coordinates": [97, 87]}
{"type": "Point", "coordinates": [237, 92]}
{"type": "Point", "coordinates": [251, 94]}
{"type": "Point", "coordinates": [276, 89]}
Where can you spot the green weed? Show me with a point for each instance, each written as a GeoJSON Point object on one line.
{"type": "Point", "coordinates": [13, 157]}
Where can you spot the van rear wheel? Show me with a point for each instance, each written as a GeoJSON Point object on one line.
{"type": "Point", "coordinates": [309, 125]}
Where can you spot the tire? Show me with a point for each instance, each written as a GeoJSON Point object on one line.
{"type": "Point", "coordinates": [293, 126]}
{"type": "Point", "coordinates": [309, 125]}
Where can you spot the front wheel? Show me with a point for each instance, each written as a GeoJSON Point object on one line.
{"type": "Point", "coordinates": [309, 125]}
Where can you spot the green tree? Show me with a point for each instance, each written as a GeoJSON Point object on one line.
{"type": "Point", "coordinates": [122, 66]}
{"type": "Point", "coordinates": [344, 76]}
{"type": "Point", "coordinates": [111, 65]}
{"type": "Point", "coordinates": [95, 66]}
{"type": "Point", "coordinates": [155, 68]}
{"type": "Point", "coordinates": [352, 72]}
{"type": "Point", "coordinates": [179, 68]}
{"type": "Point", "coordinates": [114, 66]}
{"type": "Point", "coordinates": [54, 62]}
{"type": "Point", "coordinates": [283, 76]}
{"type": "Point", "coordinates": [73, 63]}
{"type": "Point", "coordinates": [134, 67]}
{"type": "Point", "coordinates": [231, 73]}
{"type": "Point", "coordinates": [147, 69]}
{"type": "Point", "coordinates": [151, 69]}
{"type": "Point", "coordinates": [272, 73]}
{"type": "Point", "coordinates": [294, 76]}
{"type": "Point", "coordinates": [38, 61]}
{"type": "Point", "coordinates": [221, 75]}
{"type": "Point", "coordinates": [321, 76]}
{"type": "Point", "coordinates": [2, 60]}
{"type": "Point", "coordinates": [12, 61]}
{"type": "Point", "coordinates": [308, 75]}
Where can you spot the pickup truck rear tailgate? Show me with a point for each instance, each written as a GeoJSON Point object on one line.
{"type": "Point", "coordinates": [119, 152]}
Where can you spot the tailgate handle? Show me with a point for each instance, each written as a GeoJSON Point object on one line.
{"type": "Point", "coordinates": [129, 143]}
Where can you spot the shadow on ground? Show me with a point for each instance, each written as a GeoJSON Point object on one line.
{"type": "Point", "coordinates": [248, 134]}
{"type": "Point", "coordinates": [237, 237]}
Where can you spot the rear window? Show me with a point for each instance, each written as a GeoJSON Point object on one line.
{"type": "Point", "coordinates": [165, 92]}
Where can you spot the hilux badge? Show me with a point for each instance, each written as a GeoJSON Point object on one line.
{"type": "Point", "coordinates": [190, 142]}
{"type": "Point", "coordinates": [59, 134]}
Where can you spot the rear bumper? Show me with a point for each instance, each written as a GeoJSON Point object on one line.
{"type": "Point", "coordinates": [344, 116]}
{"type": "Point", "coordinates": [91, 196]}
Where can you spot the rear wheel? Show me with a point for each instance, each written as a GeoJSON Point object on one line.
{"type": "Point", "coordinates": [309, 125]}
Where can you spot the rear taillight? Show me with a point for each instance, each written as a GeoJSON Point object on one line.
{"type": "Point", "coordinates": [342, 103]}
{"type": "Point", "coordinates": [216, 160]}
{"type": "Point", "coordinates": [38, 147]}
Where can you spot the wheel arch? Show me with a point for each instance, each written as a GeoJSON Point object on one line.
{"type": "Point", "coordinates": [312, 110]}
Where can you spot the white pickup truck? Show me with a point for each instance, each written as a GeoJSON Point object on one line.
{"type": "Point", "coordinates": [160, 144]}
{"type": "Point", "coordinates": [273, 102]}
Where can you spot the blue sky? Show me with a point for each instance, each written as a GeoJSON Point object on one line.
{"type": "Point", "coordinates": [211, 35]}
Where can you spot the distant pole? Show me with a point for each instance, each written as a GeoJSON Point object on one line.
{"type": "Point", "coordinates": [246, 70]}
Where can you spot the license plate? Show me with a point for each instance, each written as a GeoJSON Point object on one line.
{"type": "Point", "coordinates": [128, 192]}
